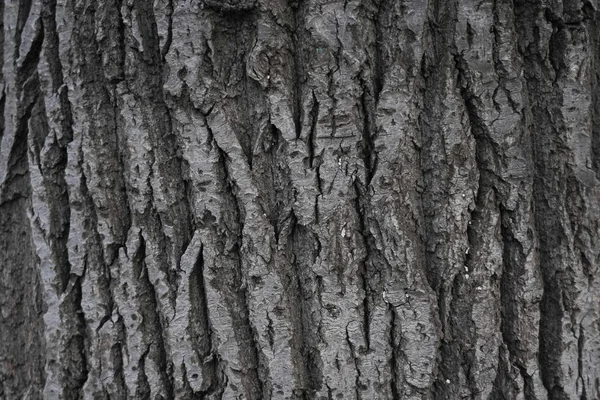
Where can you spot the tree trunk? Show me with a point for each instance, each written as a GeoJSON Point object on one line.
{"type": "Point", "coordinates": [310, 199]}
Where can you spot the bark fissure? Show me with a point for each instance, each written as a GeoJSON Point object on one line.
{"type": "Point", "coordinates": [154, 330]}
{"type": "Point", "coordinates": [254, 372]}
{"type": "Point", "coordinates": [298, 36]}
{"type": "Point", "coordinates": [546, 220]}
{"type": "Point", "coordinates": [310, 141]}
{"type": "Point", "coordinates": [300, 249]}
{"type": "Point", "coordinates": [24, 9]}
{"type": "Point", "coordinates": [362, 215]}
{"type": "Point", "coordinates": [394, 342]}
{"type": "Point", "coordinates": [77, 373]}
{"type": "Point", "coordinates": [353, 354]}
{"type": "Point", "coordinates": [202, 331]}
{"type": "Point", "coordinates": [55, 163]}
{"type": "Point", "coordinates": [369, 154]}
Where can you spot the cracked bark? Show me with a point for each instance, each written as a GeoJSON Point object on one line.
{"type": "Point", "coordinates": [364, 199]}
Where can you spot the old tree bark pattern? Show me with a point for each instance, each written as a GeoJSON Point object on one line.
{"type": "Point", "coordinates": [311, 199]}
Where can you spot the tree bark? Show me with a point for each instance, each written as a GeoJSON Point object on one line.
{"type": "Point", "coordinates": [309, 199]}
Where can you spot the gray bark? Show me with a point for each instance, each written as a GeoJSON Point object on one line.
{"type": "Point", "coordinates": [311, 199]}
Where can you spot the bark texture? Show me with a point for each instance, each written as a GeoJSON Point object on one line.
{"type": "Point", "coordinates": [310, 199]}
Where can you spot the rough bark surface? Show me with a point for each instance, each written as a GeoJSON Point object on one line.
{"type": "Point", "coordinates": [310, 199]}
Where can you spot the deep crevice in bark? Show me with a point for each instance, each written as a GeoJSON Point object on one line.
{"type": "Point", "coordinates": [28, 67]}
{"type": "Point", "coordinates": [362, 214]}
{"type": "Point", "coordinates": [465, 328]}
{"type": "Point", "coordinates": [435, 171]}
{"type": "Point", "coordinates": [18, 153]}
{"type": "Point", "coordinates": [394, 362]}
{"type": "Point", "coordinates": [353, 354]}
{"type": "Point", "coordinates": [151, 320]}
{"type": "Point", "coordinates": [580, 355]}
{"type": "Point", "coordinates": [311, 138]}
{"type": "Point", "coordinates": [55, 163]}
{"type": "Point", "coordinates": [298, 37]}
{"type": "Point", "coordinates": [75, 359]}
{"type": "Point", "coordinates": [22, 334]}
{"type": "Point", "coordinates": [543, 96]}
{"type": "Point", "coordinates": [201, 331]}
{"type": "Point", "coordinates": [513, 269]}
{"type": "Point", "coordinates": [24, 8]}
{"type": "Point", "coordinates": [117, 354]}
{"type": "Point", "coordinates": [303, 252]}
{"type": "Point", "coordinates": [255, 373]}
{"type": "Point", "coordinates": [383, 7]}
{"type": "Point", "coordinates": [169, 38]}
{"type": "Point", "coordinates": [368, 152]}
